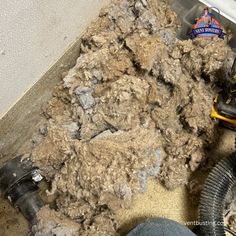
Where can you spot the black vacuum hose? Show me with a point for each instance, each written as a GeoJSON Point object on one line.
{"type": "Point", "coordinates": [212, 201]}
{"type": "Point", "coordinates": [19, 186]}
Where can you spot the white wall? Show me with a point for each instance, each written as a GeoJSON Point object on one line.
{"type": "Point", "coordinates": [33, 35]}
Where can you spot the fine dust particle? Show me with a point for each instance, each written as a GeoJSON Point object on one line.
{"type": "Point", "coordinates": [136, 104]}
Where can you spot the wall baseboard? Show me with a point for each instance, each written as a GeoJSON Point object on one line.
{"type": "Point", "coordinates": [25, 117]}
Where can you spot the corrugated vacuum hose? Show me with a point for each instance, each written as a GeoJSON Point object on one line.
{"type": "Point", "coordinates": [212, 202]}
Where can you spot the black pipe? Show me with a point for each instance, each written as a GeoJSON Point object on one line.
{"type": "Point", "coordinates": [19, 185]}
{"type": "Point", "coordinates": [212, 201]}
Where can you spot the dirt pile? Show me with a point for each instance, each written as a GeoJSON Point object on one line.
{"type": "Point", "coordinates": [137, 99]}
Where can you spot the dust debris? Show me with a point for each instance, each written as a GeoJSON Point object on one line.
{"type": "Point", "coordinates": [54, 223]}
{"type": "Point", "coordinates": [136, 104]}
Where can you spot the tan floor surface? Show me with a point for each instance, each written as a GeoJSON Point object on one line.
{"type": "Point", "coordinates": [158, 202]}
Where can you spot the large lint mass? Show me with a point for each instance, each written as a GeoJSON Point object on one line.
{"type": "Point", "coordinates": [136, 104]}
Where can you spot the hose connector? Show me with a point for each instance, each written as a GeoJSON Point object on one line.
{"type": "Point", "coordinates": [19, 184]}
